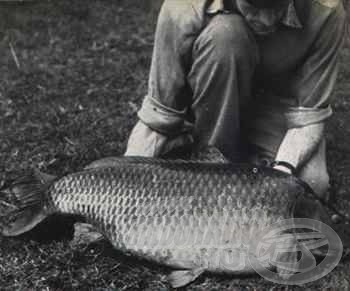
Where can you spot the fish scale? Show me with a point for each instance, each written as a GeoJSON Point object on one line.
{"type": "Point", "coordinates": [182, 214]}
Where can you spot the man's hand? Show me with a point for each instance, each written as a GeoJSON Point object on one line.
{"type": "Point", "coordinates": [299, 144]}
{"type": "Point", "coordinates": [145, 142]}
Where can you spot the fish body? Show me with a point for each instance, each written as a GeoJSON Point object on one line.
{"type": "Point", "coordinates": [181, 214]}
{"type": "Point", "coordinates": [196, 216]}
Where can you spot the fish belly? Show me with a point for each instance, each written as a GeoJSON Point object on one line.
{"type": "Point", "coordinates": [221, 242]}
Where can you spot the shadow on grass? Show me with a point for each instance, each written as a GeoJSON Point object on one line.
{"type": "Point", "coordinates": [53, 228]}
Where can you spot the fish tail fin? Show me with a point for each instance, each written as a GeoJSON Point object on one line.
{"type": "Point", "coordinates": [24, 203]}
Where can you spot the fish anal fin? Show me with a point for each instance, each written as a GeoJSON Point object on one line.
{"type": "Point", "coordinates": [85, 233]}
{"type": "Point", "coordinates": [295, 259]}
{"type": "Point", "coordinates": [288, 265]}
{"type": "Point", "coordinates": [181, 278]}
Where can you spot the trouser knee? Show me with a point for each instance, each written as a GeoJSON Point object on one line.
{"type": "Point", "coordinates": [228, 37]}
{"type": "Point", "coordinates": [224, 58]}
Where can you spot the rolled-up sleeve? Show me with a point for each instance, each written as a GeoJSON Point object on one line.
{"type": "Point", "coordinates": [314, 81]}
{"type": "Point", "coordinates": [165, 106]}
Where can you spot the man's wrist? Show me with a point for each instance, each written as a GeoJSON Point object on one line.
{"type": "Point", "coordinates": [284, 167]}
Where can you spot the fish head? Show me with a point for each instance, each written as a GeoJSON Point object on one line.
{"type": "Point", "coordinates": [309, 206]}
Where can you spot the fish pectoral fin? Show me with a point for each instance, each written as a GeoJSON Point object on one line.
{"type": "Point", "coordinates": [184, 277]}
{"type": "Point", "coordinates": [288, 265]}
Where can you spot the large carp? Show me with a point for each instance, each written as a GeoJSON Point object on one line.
{"type": "Point", "coordinates": [191, 216]}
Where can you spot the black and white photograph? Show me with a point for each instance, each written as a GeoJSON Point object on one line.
{"type": "Point", "coordinates": [174, 145]}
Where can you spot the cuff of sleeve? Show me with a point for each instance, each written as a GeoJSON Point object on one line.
{"type": "Point", "coordinates": [215, 7]}
{"type": "Point", "coordinates": [163, 119]}
{"type": "Point", "coordinates": [303, 116]}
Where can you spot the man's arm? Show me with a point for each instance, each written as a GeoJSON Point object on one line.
{"type": "Point", "coordinates": [147, 142]}
{"type": "Point", "coordinates": [299, 144]}
{"type": "Point", "coordinates": [163, 112]}
{"type": "Point", "coordinates": [312, 87]}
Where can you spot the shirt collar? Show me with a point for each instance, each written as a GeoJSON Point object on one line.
{"type": "Point", "coordinates": [290, 19]}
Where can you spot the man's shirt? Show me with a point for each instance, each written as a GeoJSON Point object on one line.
{"type": "Point", "coordinates": [298, 61]}
{"type": "Point", "coordinates": [261, 20]}
{"type": "Point", "coordinates": [297, 70]}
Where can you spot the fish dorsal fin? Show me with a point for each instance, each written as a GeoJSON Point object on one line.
{"type": "Point", "coordinates": [116, 161]}
{"type": "Point", "coordinates": [183, 277]}
{"type": "Point", "coordinates": [208, 154]}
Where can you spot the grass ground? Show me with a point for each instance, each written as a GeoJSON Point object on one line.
{"type": "Point", "coordinates": [72, 77]}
